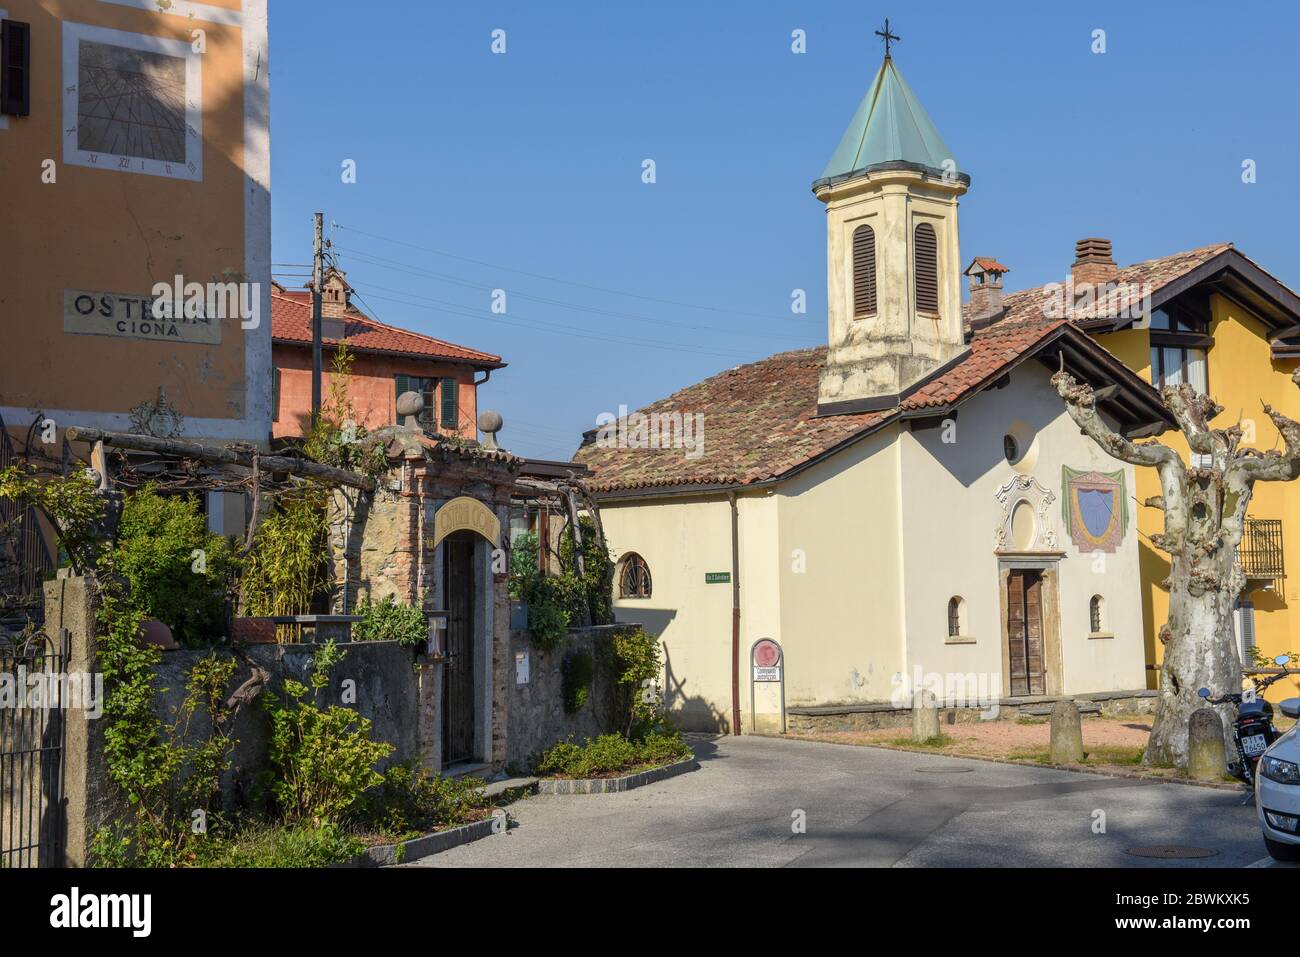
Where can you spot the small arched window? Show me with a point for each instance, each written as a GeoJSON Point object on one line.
{"type": "Point", "coordinates": [1096, 608]}
{"type": "Point", "coordinates": [926, 248]}
{"type": "Point", "coordinates": [956, 607]}
{"type": "Point", "coordinates": [864, 272]}
{"type": "Point", "coordinates": [634, 578]}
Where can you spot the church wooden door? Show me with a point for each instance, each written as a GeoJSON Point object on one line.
{"type": "Point", "coordinates": [1025, 632]}
{"type": "Point", "coordinates": [458, 672]}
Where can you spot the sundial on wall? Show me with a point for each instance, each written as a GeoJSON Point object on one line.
{"type": "Point", "coordinates": [131, 103]}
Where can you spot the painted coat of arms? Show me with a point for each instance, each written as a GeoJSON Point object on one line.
{"type": "Point", "coordinates": [1096, 508]}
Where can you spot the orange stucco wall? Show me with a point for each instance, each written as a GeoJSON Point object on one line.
{"type": "Point", "coordinates": [371, 389]}
{"type": "Point", "coordinates": [108, 230]}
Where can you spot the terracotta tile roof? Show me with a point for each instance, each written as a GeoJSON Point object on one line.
{"type": "Point", "coordinates": [760, 420]}
{"type": "Point", "coordinates": [991, 265]}
{"type": "Point", "coordinates": [1026, 306]}
{"type": "Point", "coordinates": [291, 322]}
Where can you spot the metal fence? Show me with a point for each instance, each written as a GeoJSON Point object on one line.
{"type": "Point", "coordinates": [32, 733]}
{"type": "Point", "coordinates": [25, 559]}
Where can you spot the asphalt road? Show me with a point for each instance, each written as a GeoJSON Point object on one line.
{"type": "Point", "coordinates": [867, 807]}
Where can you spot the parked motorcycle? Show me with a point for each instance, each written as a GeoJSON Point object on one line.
{"type": "Point", "coordinates": [1252, 730]}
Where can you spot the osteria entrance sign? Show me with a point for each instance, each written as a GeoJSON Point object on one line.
{"type": "Point", "coordinates": [462, 514]}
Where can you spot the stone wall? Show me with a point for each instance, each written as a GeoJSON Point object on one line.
{"type": "Point", "coordinates": [379, 680]}
{"type": "Point", "coordinates": [398, 691]}
{"type": "Point", "coordinates": [870, 717]}
{"type": "Point", "coordinates": [537, 718]}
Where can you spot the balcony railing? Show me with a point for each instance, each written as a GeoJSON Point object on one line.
{"type": "Point", "coordinates": [1261, 549]}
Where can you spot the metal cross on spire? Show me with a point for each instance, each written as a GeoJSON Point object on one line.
{"type": "Point", "coordinates": [887, 37]}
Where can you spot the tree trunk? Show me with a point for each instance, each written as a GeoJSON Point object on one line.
{"type": "Point", "coordinates": [1205, 509]}
{"type": "Point", "coordinates": [1201, 653]}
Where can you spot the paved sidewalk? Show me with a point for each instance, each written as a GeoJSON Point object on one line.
{"type": "Point", "coordinates": [867, 807]}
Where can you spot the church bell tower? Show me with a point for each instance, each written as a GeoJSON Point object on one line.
{"type": "Point", "coordinates": [893, 264]}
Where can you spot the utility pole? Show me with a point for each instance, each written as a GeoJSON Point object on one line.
{"type": "Point", "coordinates": [317, 282]}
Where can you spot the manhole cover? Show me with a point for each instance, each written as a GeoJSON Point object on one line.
{"type": "Point", "coordinates": [1170, 852]}
{"type": "Point", "coordinates": [944, 770]}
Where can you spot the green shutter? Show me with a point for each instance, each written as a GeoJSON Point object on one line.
{"type": "Point", "coordinates": [450, 405]}
{"type": "Point", "coordinates": [403, 385]}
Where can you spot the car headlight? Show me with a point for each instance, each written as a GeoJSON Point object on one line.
{"type": "Point", "coordinates": [1283, 772]}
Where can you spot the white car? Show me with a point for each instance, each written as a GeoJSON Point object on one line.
{"type": "Point", "coordinates": [1277, 790]}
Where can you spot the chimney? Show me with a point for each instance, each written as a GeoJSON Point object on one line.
{"type": "Point", "coordinates": [335, 299]}
{"type": "Point", "coordinates": [985, 290]}
{"type": "Point", "coordinates": [1093, 262]}
{"type": "Point", "coordinates": [335, 295]}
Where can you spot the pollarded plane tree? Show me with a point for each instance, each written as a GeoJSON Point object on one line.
{"type": "Point", "coordinates": [1205, 514]}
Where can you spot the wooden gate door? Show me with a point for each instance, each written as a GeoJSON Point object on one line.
{"type": "Point", "coordinates": [1025, 632]}
{"type": "Point", "coordinates": [458, 673]}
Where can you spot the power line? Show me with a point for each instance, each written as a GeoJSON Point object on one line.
{"type": "Point", "coordinates": [567, 282]}
{"type": "Point", "coordinates": [368, 259]}
{"type": "Point", "coordinates": [544, 325]}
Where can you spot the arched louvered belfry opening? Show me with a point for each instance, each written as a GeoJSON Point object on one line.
{"type": "Point", "coordinates": [864, 272]}
{"type": "Point", "coordinates": [925, 247]}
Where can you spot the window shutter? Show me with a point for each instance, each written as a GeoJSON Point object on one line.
{"type": "Point", "coordinates": [1247, 612]}
{"type": "Point", "coordinates": [926, 248]}
{"type": "Point", "coordinates": [16, 78]}
{"type": "Point", "coordinates": [864, 271]}
{"type": "Point", "coordinates": [403, 386]}
{"type": "Point", "coordinates": [450, 405]}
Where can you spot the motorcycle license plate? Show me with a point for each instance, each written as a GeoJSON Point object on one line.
{"type": "Point", "coordinates": [1254, 745]}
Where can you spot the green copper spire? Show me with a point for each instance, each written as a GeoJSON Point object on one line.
{"type": "Point", "coordinates": [890, 130]}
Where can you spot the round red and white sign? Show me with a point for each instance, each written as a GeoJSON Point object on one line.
{"type": "Point", "coordinates": [767, 654]}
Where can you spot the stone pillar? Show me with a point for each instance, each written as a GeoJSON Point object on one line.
{"type": "Point", "coordinates": [925, 716]}
{"type": "Point", "coordinates": [1066, 733]}
{"type": "Point", "coordinates": [1206, 758]}
{"type": "Point", "coordinates": [429, 733]}
{"type": "Point", "coordinates": [90, 801]}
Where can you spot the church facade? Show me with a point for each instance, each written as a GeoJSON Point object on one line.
{"type": "Point", "coordinates": [909, 506]}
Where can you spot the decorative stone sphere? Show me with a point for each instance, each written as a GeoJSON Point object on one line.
{"type": "Point", "coordinates": [410, 403]}
{"type": "Point", "coordinates": [490, 422]}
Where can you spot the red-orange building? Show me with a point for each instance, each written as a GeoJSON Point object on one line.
{"type": "Point", "coordinates": [388, 361]}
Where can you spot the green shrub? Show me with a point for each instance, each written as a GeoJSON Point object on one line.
{"type": "Point", "coordinates": [386, 620]}
{"type": "Point", "coordinates": [548, 612]}
{"type": "Point", "coordinates": [178, 570]}
{"type": "Point", "coordinates": [638, 662]}
{"type": "Point", "coordinates": [278, 846]}
{"type": "Point", "coordinates": [411, 800]}
{"type": "Point", "coordinates": [322, 759]}
{"type": "Point", "coordinates": [611, 754]}
{"type": "Point", "coordinates": [575, 680]}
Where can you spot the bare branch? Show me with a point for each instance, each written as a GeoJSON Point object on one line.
{"type": "Point", "coordinates": [1081, 403]}
{"type": "Point", "coordinates": [1274, 466]}
{"type": "Point", "coordinates": [1193, 412]}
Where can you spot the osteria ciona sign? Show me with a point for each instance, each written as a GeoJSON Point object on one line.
{"type": "Point", "coordinates": [131, 317]}
{"type": "Point", "coordinates": [466, 514]}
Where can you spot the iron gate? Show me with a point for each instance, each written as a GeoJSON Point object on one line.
{"type": "Point", "coordinates": [25, 560]}
{"type": "Point", "coordinates": [31, 752]}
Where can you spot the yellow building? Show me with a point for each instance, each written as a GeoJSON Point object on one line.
{"type": "Point", "coordinates": [134, 147]}
{"type": "Point", "coordinates": [1221, 323]}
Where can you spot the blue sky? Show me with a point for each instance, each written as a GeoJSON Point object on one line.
{"type": "Point", "coordinates": [478, 171]}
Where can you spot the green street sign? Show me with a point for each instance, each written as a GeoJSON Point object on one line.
{"type": "Point", "coordinates": [717, 578]}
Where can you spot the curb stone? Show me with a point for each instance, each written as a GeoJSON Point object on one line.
{"type": "Point", "coordinates": [384, 855]}
{"type": "Point", "coordinates": [613, 785]}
